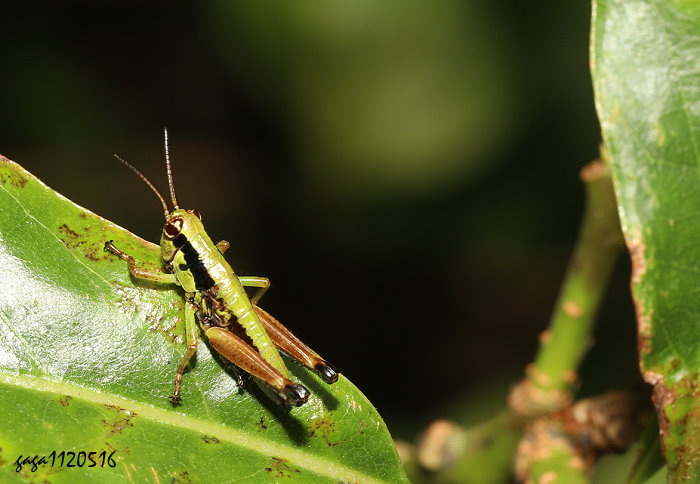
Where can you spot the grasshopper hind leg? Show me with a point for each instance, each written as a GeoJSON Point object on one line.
{"type": "Point", "coordinates": [240, 353]}
{"type": "Point", "coordinates": [327, 372]}
{"type": "Point", "coordinates": [286, 341]}
{"type": "Point", "coordinates": [296, 394]}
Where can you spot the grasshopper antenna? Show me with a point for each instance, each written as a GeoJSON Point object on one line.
{"type": "Point", "coordinates": [147, 181]}
{"type": "Point", "coordinates": [171, 185]}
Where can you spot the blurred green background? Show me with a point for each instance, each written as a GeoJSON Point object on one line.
{"type": "Point", "coordinates": [405, 172]}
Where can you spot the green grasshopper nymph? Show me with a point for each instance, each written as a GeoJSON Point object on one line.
{"type": "Point", "coordinates": [235, 326]}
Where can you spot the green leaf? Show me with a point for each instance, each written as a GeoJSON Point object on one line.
{"type": "Point", "coordinates": [646, 72]}
{"type": "Point", "coordinates": [88, 356]}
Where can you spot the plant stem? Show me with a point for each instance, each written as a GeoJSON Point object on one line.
{"type": "Point", "coordinates": [482, 454]}
{"type": "Point", "coordinates": [566, 444]}
{"type": "Point", "coordinates": [552, 378]}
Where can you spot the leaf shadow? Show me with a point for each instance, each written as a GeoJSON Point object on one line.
{"type": "Point", "coordinates": [314, 385]}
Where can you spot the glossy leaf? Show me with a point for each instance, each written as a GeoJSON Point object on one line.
{"type": "Point", "coordinates": [646, 72]}
{"type": "Point", "coordinates": [88, 356]}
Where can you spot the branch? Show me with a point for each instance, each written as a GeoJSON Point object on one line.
{"type": "Point", "coordinates": [551, 380]}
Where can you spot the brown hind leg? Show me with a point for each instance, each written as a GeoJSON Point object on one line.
{"type": "Point", "coordinates": [244, 356]}
{"type": "Point", "coordinates": [286, 341]}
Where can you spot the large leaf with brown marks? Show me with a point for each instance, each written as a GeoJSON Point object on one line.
{"type": "Point", "coordinates": [87, 359]}
{"type": "Point", "coordinates": [646, 72]}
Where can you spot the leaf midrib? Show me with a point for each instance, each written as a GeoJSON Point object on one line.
{"type": "Point", "coordinates": [294, 456]}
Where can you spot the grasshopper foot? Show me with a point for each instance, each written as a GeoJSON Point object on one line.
{"type": "Point", "coordinates": [327, 372]}
{"type": "Point", "coordinates": [296, 395]}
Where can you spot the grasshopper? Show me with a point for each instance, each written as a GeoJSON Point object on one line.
{"type": "Point", "coordinates": [243, 333]}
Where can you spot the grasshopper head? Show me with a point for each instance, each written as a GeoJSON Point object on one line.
{"type": "Point", "coordinates": [180, 226]}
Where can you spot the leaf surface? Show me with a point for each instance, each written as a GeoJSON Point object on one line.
{"type": "Point", "coordinates": [87, 361]}
{"type": "Point", "coordinates": [645, 59]}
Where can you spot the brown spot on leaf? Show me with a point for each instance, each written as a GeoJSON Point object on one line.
{"type": "Point", "coordinates": [69, 237]}
{"type": "Point", "coordinates": [67, 231]}
{"type": "Point", "coordinates": [65, 400]}
{"type": "Point", "coordinates": [280, 468]}
{"type": "Point", "coordinates": [182, 477]}
{"type": "Point", "coordinates": [324, 428]}
{"type": "Point", "coordinates": [121, 420]}
{"type": "Point", "coordinates": [639, 265]}
{"type": "Point", "coordinates": [72, 240]}
{"type": "Point", "coordinates": [676, 408]}
{"type": "Point", "coordinates": [662, 396]}
{"type": "Point", "coordinates": [320, 426]}
{"type": "Point", "coordinates": [14, 179]}
{"type": "Point", "coordinates": [95, 255]}
{"type": "Point", "coordinates": [639, 268]}
{"type": "Point", "coordinates": [210, 440]}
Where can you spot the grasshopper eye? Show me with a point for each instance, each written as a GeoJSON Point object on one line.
{"type": "Point", "coordinates": [195, 213]}
{"type": "Point", "coordinates": [173, 228]}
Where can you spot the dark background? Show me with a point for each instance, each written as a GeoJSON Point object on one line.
{"type": "Point", "coordinates": [405, 172]}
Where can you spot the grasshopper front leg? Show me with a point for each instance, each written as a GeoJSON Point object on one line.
{"type": "Point", "coordinates": [190, 325]}
{"type": "Point", "coordinates": [139, 273]}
